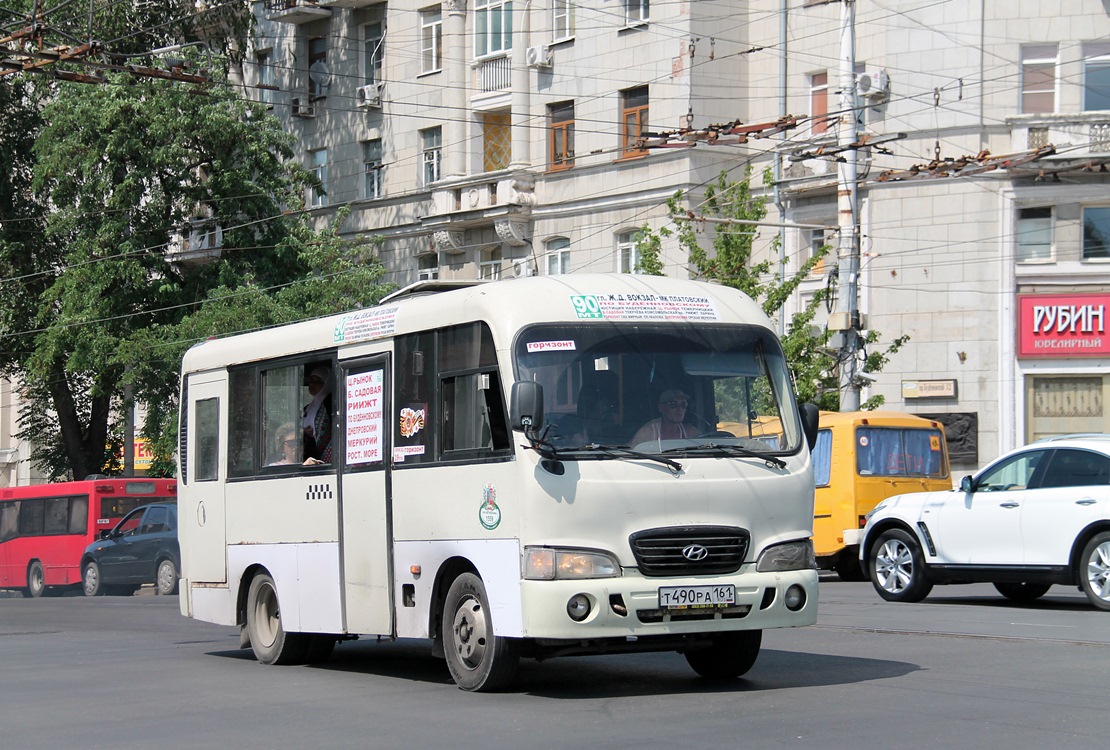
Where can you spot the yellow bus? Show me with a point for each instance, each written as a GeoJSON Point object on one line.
{"type": "Point", "coordinates": [861, 458]}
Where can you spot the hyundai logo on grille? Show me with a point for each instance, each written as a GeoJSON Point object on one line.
{"type": "Point", "coordinates": [695, 552]}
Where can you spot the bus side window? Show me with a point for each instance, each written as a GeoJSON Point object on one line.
{"type": "Point", "coordinates": [414, 422]}
{"type": "Point", "coordinates": [57, 512]}
{"type": "Point", "coordinates": [472, 406]}
{"type": "Point", "coordinates": [79, 515]}
{"type": "Point", "coordinates": [242, 413]}
{"type": "Point", "coordinates": [822, 459]}
{"type": "Point", "coordinates": [206, 428]}
{"type": "Point", "coordinates": [9, 520]}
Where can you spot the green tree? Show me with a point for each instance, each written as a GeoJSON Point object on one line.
{"type": "Point", "coordinates": [116, 171]}
{"type": "Point", "coordinates": [730, 208]}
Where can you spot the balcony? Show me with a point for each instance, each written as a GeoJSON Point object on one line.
{"type": "Point", "coordinates": [296, 11]}
{"type": "Point", "coordinates": [1075, 135]}
{"type": "Point", "coordinates": [197, 243]}
{"type": "Point", "coordinates": [493, 74]}
{"type": "Point", "coordinates": [347, 3]}
{"type": "Point", "coordinates": [502, 200]}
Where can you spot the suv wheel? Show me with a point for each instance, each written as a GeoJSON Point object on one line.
{"type": "Point", "coordinates": [897, 567]}
{"type": "Point", "coordinates": [1094, 570]}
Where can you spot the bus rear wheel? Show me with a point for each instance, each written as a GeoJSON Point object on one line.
{"type": "Point", "coordinates": [730, 655]}
{"type": "Point", "coordinates": [478, 659]}
{"type": "Point", "coordinates": [269, 640]}
{"type": "Point", "coordinates": [36, 580]}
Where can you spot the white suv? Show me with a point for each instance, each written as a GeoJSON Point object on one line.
{"type": "Point", "coordinates": [1037, 516]}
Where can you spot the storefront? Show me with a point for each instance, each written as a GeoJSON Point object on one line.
{"type": "Point", "coordinates": [1064, 354]}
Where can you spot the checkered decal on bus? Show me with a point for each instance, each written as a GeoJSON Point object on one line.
{"type": "Point", "coordinates": [319, 492]}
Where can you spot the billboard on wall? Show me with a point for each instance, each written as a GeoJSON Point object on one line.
{"type": "Point", "coordinates": [1063, 325]}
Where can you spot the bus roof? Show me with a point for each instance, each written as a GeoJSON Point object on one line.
{"type": "Point", "coordinates": [879, 418]}
{"type": "Point", "coordinates": [507, 305]}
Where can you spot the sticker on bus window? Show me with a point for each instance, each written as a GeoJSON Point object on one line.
{"type": "Point", "coordinates": [489, 515]}
{"type": "Point", "coordinates": [551, 346]}
{"type": "Point", "coordinates": [934, 443]}
{"type": "Point", "coordinates": [400, 451]}
{"type": "Point", "coordinates": [411, 421]}
{"type": "Point", "coordinates": [366, 324]}
{"type": "Point", "coordinates": [644, 307]}
{"type": "Point", "coordinates": [863, 441]}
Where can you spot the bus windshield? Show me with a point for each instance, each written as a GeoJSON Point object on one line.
{"type": "Point", "coordinates": [661, 386]}
{"type": "Point", "coordinates": [894, 452]}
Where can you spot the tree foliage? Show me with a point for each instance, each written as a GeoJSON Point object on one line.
{"type": "Point", "coordinates": [732, 207]}
{"type": "Point", "coordinates": [98, 181]}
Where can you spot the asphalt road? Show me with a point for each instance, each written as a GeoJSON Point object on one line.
{"type": "Point", "coordinates": [963, 669]}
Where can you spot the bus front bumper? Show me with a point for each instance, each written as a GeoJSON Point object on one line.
{"type": "Point", "coordinates": [631, 606]}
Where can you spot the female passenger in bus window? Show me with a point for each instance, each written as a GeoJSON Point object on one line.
{"type": "Point", "coordinates": [316, 421]}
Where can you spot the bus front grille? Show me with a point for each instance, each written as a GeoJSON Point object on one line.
{"type": "Point", "coordinates": [690, 550]}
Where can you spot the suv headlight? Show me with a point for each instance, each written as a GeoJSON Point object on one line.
{"type": "Point", "coordinates": [789, 556]}
{"type": "Point", "coordinates": [554, 563]}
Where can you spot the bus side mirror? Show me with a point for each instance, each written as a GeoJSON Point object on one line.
{"type": "Point", "coordinates": [811, 420]}
{"type": "Point", "coordinates": [965, 485]}
{"type": "Point", "coordinates": [526, 406]}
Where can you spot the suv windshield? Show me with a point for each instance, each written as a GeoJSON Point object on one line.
{"type": "Point", "coordinates": [661, 387]}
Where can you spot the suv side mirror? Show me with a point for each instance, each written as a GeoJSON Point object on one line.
{"type": "Point", "coordinates": [526, 406]}
{"type": "Point", "coordinates": [966, 485]}
{"type": "Point", "coordinates": [811, 420]}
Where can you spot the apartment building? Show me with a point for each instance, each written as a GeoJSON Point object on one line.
{"type": "Point", "coordinates": [1000, 276]}
{"type": "Point", "coordinates": [491, 138]}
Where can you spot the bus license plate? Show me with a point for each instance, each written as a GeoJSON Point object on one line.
{"type": "Point", "coordinates": [680, 597]}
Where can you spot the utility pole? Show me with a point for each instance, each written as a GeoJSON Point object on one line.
{"type": "Point", "coordinates": [846, 318]}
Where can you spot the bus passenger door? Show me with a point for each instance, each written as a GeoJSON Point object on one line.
{"type": "Point", "coordinates": [366, 537]}
{"type": "Point", "coordinates": [201, 529]}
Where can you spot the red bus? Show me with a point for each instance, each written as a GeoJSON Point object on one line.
{"type": "Point", "coordinates": [44, 528]}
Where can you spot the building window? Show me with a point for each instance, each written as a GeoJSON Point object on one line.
{"type": "Point", "coordinates": [1034, 234]}
{"type": "Point", "coordinates": [493, 27]}
{"type": "Point", "coordinates": [1096, 77]}
{"type": "Point", "coordinates": [318, 165]}
{"type": "Point", "coordinates": [628, 255]}
{"type": "Point", "coordinates": [372, 168]}
{"type": "Point", "coordinates": [635, 11]}
{"type": "Point", "coordinates": [431, 145]}
{"type": "Point", "coordinates": [318, 75]}
{"type": "Point", "coordinates": [819, 103]}
{"type": "Point", "coordinates": [489, 264]}
{"type": "Point", "coordinates": [427, 267]}
{"type": "Point", "coordinates": [562, 20]}
{"type": "Point", "coordinates": [818, 239]}
{"type": "Point", "coordinates": [634, 120]}
{"type": "Point", "coordinates": [497, 142]}
{"type": "Point", "coordinates": [558, 256]}
{"type": "Point", "coordinates": [561, 145]}
{"type": "Point", "coordinates": [1096, 233]}
{"type": "Point", "coordinates": [373, 46]}
{"type": "Point", "coordinates": [1038, 78]}
{"type": "Point", "coordinates": [431, 40]}
{"type": "Point", "coordinates": [267, 81]}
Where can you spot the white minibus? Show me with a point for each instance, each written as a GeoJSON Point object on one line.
{"type": "Point", "coordinates": [528, 468]}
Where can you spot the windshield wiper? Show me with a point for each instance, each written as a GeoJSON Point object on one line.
{"type": "Point", "coordinates": [731, 450]}
{"type": "Point", "coordinates": [626, 452]}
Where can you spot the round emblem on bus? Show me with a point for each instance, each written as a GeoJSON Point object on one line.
{"type": "Point", "coordinates": [695, 552]}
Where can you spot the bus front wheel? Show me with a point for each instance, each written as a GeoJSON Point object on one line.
{"type": "Point", "coordinates": [479, 660]}
{"type": "Point", "coordinates": [36, 580]}
{"type": "Point", "coordinates": [269, 640]}
{"type": "Point", "coordinates": [728, 656]}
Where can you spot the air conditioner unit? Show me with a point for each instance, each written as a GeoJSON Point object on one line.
{"type": "Point", "coordinates": [873, 84]}
{"type": "Point", "coordinates": [369, 96]}
{"type": "Point", "coordinates": [538, 57]}
{"type": "Point", "coordinates": [301, 107]}
{"type": "Point", "coordinates": [523, 267]}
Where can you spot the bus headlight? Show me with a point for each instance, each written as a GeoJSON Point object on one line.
{"type": "Point", "coordinates": [553, 563]}
{"type": "Point", "coordinates": [790, 556]}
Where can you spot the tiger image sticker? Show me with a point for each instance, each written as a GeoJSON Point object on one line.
{"type": "Point", "coordinates": [411, 421]}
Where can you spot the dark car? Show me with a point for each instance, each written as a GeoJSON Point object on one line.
{"type": "Point", "coordinates": [142, 548]}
